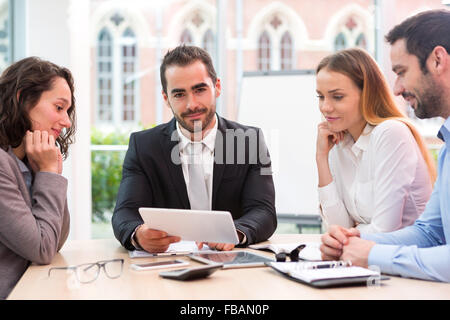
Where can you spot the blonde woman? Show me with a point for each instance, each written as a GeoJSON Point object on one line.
{"type": "Point", "coordinates": [375, 172]}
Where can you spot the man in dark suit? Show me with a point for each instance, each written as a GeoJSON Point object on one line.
{"type": "Point", "coordinates": [197, 160]}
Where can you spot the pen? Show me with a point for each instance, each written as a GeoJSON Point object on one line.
{"type": "Point", "coordinates": [335, 264]}
{"type": "Point", "coordinates": [165, 254]}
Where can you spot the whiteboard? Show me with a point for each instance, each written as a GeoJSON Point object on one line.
{"type": "Point", "coordinates": [285, 107]}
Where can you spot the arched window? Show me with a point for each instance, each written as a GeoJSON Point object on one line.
{"type": "Point", "coordinates": [264, 51]}
{"type": "Point", "coordinates": [208, 42]}
{"type": "Point", "coordinates": [286, 52]}
{"type": "Point", "coordinates": [186, 37]}
{"type": "Point", "coordinates": [117, 77]}
{"type": "Point", "coordinates": [105, 76]}
{"type": "Point", "coordinates": [361, 41]}
{"type": "Point", "coordinates": [340, 43]}
{"type": "Point", "coordinates": [128, 74]}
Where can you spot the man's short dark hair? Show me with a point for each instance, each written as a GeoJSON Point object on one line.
{"type": "Point", "coordinates": [423, 32]}
{"type": "Point", "coordinates": [185, 55]}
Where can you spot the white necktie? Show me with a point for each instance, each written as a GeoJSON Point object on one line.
{"type": "Point", "coordinates": [197, 191]}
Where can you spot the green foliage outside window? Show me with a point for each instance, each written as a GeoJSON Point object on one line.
{"type": "Point", "coordinates": [106, 169]}
{"type": "Point", "coordinates": [435, 154]}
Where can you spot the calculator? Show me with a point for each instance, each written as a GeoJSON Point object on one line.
{"type": "Point", "coordinates": [191, 273]}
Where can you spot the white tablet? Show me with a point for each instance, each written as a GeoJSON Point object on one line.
{"type": "Point", "coordinates": [231, 259]}
{"type": "Point", "coordinates": [192, 225]}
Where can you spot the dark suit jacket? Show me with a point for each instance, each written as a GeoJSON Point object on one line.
{"type": "Point", "coordinates": [152, 179]}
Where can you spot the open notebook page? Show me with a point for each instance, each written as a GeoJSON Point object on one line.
{"type": "Point", "coordinates": [304, 272]}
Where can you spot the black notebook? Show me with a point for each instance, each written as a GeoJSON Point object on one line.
{"type": "Point", "coordinates": [327, 273]}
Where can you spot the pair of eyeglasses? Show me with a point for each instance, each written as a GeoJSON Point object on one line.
{"type": "Point", "coordinates": [88, 272]}
{"type": "Point", "coordinates": [293, 255]}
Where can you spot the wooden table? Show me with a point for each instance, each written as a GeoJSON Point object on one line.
{"type": "Point", "coordinates": [247, 284]}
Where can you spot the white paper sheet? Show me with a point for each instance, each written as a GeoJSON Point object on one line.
{"type": "Point", "coordinates": [177, 248]}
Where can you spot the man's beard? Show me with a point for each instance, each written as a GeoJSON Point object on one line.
{"type": "Point", "coordinates": [428, 100]}
{"type": "Point", "coordinates": [197, 125]}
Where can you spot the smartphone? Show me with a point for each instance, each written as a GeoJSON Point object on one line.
{"type": "Point", "coordinates": [159, 265]}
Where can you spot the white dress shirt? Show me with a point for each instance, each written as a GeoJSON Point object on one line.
{"type": "Point", "coordinates": [207, 157]}
{"type": "Point", "coordinates": [380, 182]}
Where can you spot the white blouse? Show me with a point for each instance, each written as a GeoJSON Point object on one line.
{"type": "Point", "coordinates": [380, 182]}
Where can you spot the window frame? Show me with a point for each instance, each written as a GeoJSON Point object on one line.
{"type": "Point", "coordinates": [264, 62]}
{"type": "Point", "coordinates": [120, 40]}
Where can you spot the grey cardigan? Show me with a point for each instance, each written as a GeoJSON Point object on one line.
{"type": "Point", "coordinates": [29, 231]}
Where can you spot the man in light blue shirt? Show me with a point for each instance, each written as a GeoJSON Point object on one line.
{"type": "Point", "coordinates": [420, 57]}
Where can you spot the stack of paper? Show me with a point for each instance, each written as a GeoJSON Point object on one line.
{"type": "Point", "coordinates": [175, 249]}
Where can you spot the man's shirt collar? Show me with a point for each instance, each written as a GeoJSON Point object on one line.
{"type": "Point", "coordinates": [444, 132]}
{"type": "Point", "coordinates": [209, 140]}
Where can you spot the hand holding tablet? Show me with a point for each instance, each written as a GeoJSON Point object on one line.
{"type": "Point", "coordinates": [217, 246]}
{"type": "Point", "coordinates": [171, 225]}
{"type": "Point", "coordinates": [154, 240]}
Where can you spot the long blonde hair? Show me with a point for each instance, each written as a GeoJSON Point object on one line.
{"type": "Point", "coordinates": [377, 103]}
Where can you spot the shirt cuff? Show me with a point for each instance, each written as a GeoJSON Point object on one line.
{"type": "Point", "coordinates": [328, 195]}
{"type": "Point", "coordinates": [382, 255]}
{"type": "Point", "coordinates": [134, 242]}
{"type": "Point", "coordinates": [244, 238]}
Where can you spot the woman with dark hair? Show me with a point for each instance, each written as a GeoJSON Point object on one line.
{"type": "Point", "coordinates": [375, 172]}
{"type": "Point", "coordinates": [37, 115]}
